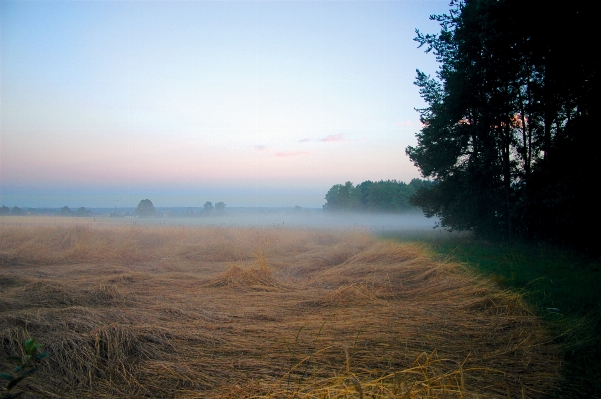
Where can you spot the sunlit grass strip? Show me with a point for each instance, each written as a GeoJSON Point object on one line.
{"type": "Point", "coordinates": [420, 380]}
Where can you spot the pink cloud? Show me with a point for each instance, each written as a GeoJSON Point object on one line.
{"type": "Point", "coordinates": [333, 137]}
{"type": "Point", "coordinates": [291, 153]}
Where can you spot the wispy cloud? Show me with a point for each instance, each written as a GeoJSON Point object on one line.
{"type": "Point", "coordinates": [291, 153]}
{"type": "Point", "coordinates": [330, 138]}
{"type": "Point", "coordinates": [260, 147]}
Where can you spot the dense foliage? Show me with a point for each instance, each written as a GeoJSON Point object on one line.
{"type": "Point", "coordinates": [382, 196]}
{"type": "Point", "coordinates": [508, 132]}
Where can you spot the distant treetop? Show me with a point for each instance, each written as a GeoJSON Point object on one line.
{"type": "Point", "coordinates": [208, 206]}
{"type": "Point", "coordinates": [145, 208]}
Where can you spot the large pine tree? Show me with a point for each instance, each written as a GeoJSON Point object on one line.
{"type": "Point", "coordinates": [511, 99]}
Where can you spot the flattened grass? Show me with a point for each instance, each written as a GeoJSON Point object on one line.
{"type": "Point", "coordinates": [561, 284]}
{"type": "Point", "coordinates": [176, 312]}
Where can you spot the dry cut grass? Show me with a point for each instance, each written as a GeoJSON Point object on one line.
{"type": "Point", "coordinates": [176, 312]}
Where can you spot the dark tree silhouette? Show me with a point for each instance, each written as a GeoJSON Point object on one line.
{"type": "Point", "coordinates": [504, 110]}
{"type": "Point", "coordinates": [145, 208]}
{"type": "Point", "coordinates": [220, 207]}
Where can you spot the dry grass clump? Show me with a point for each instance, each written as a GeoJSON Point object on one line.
{"type": "Point", "coordinates": [258, 276]}
{"type": "Point", "coordinates": [352, 293]}
{"type": "Point", "coordinates": [176, 312]}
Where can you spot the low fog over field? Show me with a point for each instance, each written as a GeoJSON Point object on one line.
{"type": "Point", "coordinates": [307, 218]}
{"type": "Point", "coordinates": [253, 217]}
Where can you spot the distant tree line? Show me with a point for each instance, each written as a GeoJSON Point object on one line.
{"type": "Point", "coordinates": [219, 207]}
{"type": "Point", "coordinates": [146, 209]}
{"type": "Point", "coordinates": [509, 133]}
{"type": "Point", "coordinates": [64, 211]}
{"type": "Point", "coordinates": [14, 211]}
{"type": "Point", "coordinates": [381, 196]}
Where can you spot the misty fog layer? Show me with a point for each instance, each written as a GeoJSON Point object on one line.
{"type": "Point", "coordinates": [305, 219]}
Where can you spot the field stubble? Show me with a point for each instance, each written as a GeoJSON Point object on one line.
{"type": "Point", "coordinates": [188, 312]}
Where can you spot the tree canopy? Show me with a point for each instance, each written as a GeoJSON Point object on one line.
{"type": "Point", "coordinates": [508, 134]}
{"type": "Point", "coordinates": [145, 208]}
{"type": "Point", "coordinates": [208, 207]}
{"type": "Point", "coordinates": [382, 196]}
{"type": "Point", "coordinates": [82, 212]}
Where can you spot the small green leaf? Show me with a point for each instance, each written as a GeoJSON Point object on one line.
{"type": "Point", "coordinates": [30, 344]}
{"type": "Point", "coordinates": [4, 376]}
{"type": "Point", "coordinates": [18, 368]}
{"type": "Point", "coordinates": [14, 359]}
{"type": "Point", "coordinates": [31, 347]}
{"type": "Point", "coordinates": [41, 355]}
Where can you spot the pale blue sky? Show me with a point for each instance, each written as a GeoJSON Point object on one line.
{"type": "Point", "coordinates": [253, 103]}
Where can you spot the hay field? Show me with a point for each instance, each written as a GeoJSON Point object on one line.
{"type": "Point", "coordinates": [208, 312]}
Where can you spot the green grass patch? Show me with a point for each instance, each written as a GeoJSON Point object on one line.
{"type": "Point", "coordinates": [549, 278]}
{"type": "Point", "coordinates": [564, 287]}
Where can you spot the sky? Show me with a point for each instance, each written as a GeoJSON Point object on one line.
{"type": "Point", "coordinates": [253, 103]}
